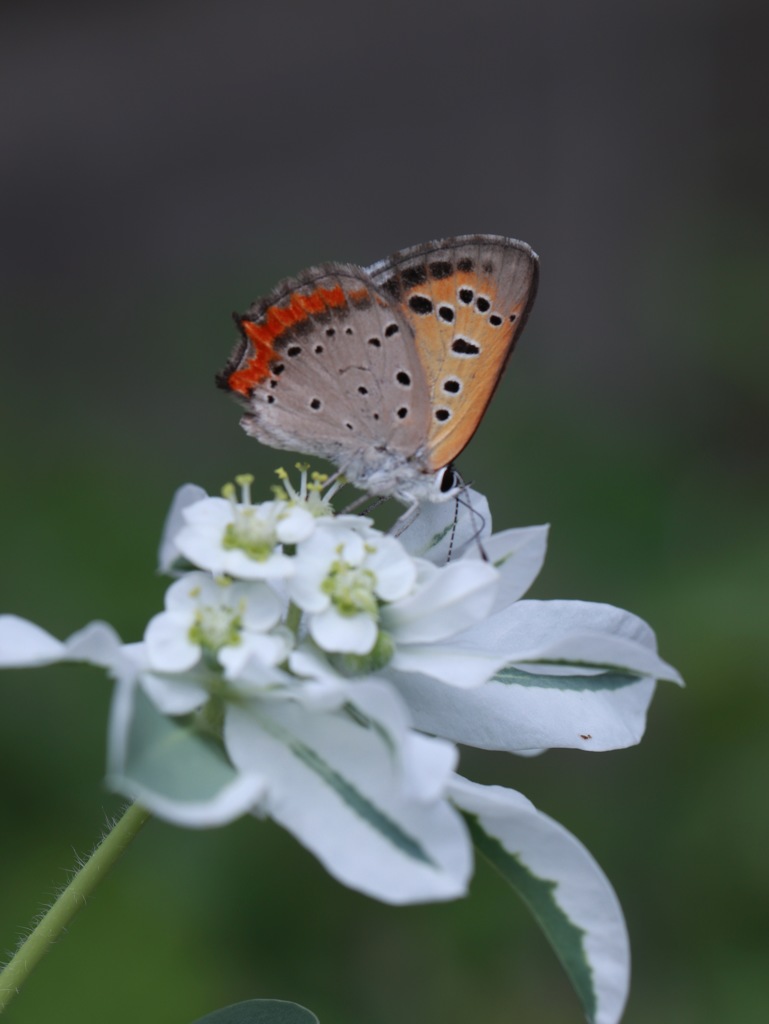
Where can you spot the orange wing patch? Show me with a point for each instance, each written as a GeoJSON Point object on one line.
{"type": "Point", "coordinates": [275, 322]}
{"type": "Point", "coordinates": [465, 326]}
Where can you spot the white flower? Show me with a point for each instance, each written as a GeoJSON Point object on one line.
{"type": "Point", "coordinates": [342, 577]}
{"type": "Point", "coordinates": [224, 619]}
{"type": "Point", "coordinates": [291, 678]}
{"type": "Point", "coordinates": [240, 539]}
{"type": "Point", "coordinates": [371, 604]}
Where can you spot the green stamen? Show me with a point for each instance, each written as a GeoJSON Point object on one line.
{"type": "Point", "coordinates": [351, 589]}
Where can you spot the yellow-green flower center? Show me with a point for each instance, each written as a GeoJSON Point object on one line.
{"type": "Point", "coordinates": [216, 627]}
{"type": "Point", "coordinates": [251, 533]}
{"type": "Point", "coordinates": [351, 589]}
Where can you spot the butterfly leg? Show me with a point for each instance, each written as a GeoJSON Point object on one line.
{"type": "Point", "coordinates": [357, 504]}
{"type": "Point", "coordinates": [405, 520]}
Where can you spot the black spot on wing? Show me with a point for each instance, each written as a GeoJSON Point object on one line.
{"type": "Point", "coordinates": [420, 304]}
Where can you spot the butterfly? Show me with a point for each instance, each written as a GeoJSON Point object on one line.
{"type": "Point", "coordinates": [385, 371]}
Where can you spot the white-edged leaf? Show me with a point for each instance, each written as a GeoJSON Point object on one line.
{"type": "Point", "coordinates": [577, 633]}
{"type": "Point", "coordinates": [26, 645]}
{"type": "Point", "coordinates": [23, 644]}
{"type": "Point", "coordinates": [170, 769]}
{"type": "Point", "coordinates": [518, 554]}
{"type": "Point", "coordinates": [358, 793]}
{"type": "Point", "coordinates": [564, 888]}
{"type": "Point", "coordinates": [524, 711]}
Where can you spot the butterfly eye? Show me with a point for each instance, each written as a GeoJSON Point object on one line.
{"type": "Point", "coordinates": [448, 480]}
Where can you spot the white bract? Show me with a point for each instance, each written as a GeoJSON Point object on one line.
{"type": "Point", "coordinates": [308, 667]}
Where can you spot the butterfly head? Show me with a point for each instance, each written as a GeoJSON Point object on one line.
{"type": "Point", "coordinates": [436, 487]}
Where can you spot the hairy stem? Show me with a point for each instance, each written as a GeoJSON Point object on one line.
{"type": "Point", "coordinates": [67, 904]}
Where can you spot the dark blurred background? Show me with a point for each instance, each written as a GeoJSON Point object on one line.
{"type": "Point", "coordinates": [164, 164]}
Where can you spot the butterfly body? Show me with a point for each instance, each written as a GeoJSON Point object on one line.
{"type": "Point", "coordinates": [385, 371]}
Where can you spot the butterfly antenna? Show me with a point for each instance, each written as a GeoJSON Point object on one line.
{"type": "Point", "coordinates": [374, 504]}
{"type": "Point", "coordinates": [453, 529]}
{"type": "Point", "coordinates": [478, 516]}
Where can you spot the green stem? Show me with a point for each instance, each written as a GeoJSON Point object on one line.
{"type": "Point", "coordinates": [67, 904]}
{"type": "Point", "coordinates": [294, 618]}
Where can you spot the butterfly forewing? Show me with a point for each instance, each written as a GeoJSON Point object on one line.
{"type": "Point", "coordinates": [467, 300]}
{"type": "Point", "coordinates": [328, 366]}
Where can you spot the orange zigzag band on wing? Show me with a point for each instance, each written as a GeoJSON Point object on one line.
{"type": "Point", "coordinates": [274, 322]}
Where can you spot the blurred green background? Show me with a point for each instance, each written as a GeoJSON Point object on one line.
{"type": "Point", "coordinates": [162, 165]}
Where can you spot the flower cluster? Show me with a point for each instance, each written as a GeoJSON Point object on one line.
{"type": "Point", "coordinates": [309, 667]}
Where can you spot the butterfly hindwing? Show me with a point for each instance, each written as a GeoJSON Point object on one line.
{"type": "Point", "coordinates": [327, 365]}
{"type": "Point", "coordinates": [466, 300]}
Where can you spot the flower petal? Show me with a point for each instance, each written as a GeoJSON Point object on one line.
{"type": "Point", "coordinates": [263, 607]}
{"type": "Point", "coordinates": [296, 525]}
{"type": "Point", "coordinates": [169, 647]}
{"type": "Point", "coordinates": [343, 634]}
{"type": "Point", "coordinates": [168, 553]}
{"type": "Point", "coordinates": [255, 657]}
{"type": "Point", "coordinates": [395, 571]}
{"type": "Point", "coordinates": [563, 886]}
